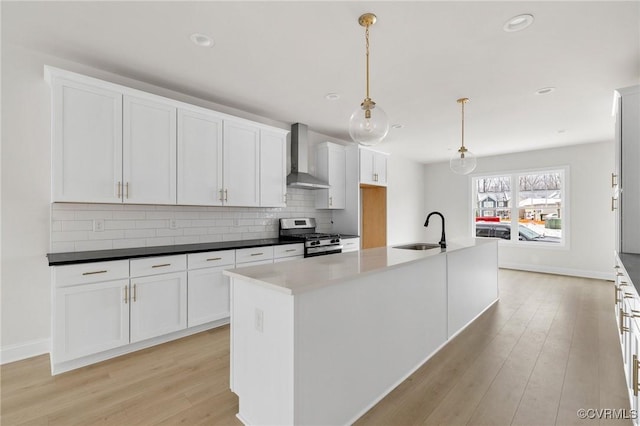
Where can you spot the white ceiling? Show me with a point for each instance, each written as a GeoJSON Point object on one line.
{"type": "Point", "coordinates": [280, 59]}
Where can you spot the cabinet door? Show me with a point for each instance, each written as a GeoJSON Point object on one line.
{"type": "Point", "coordinates": [630, 179]}
{"type": "Point", "coordinates": [380, 169]}
{"type": "Point", "coordinates": [366, 167]}
{"type": "Point", "coordinates": [241, 151]}
{"type": "Point", "coordinates": [337, 176]}
{"type": "Point", "coordinates": [208, 295]}
{"type": "Point", "coordinates": [158, 305]}
{"type": "Point", "coordinates": [87, 143]}
{"type": "Point", "coordinates": [273, 173]}
{"type": "Point", "coordinates": [331, 166]}
{"type": "Point", "coordinates": [633, 368]}
{"type": "Point", "coordinates": [149, 154]}
{"type": "Point", "coordinates": [89, 318]}
{"type": "Point", "coordinates": [350, 244]}
{"type": "Point", "coordinates": [199, 158]}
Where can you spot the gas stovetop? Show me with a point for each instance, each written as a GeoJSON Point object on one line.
{"type": "Point", "coordinates": [310, 236]}
{"type": "Point", "coordinates": [315, 243]}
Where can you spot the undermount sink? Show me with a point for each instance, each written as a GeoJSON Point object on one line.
{"type": "Point", "coordinates": [418, 246]}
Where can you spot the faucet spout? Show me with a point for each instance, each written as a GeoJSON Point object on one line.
{"type": "Point", "coordinates": [443, 238]}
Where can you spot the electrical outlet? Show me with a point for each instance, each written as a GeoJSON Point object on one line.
{"type": "Point", "coordinates": [259, 320]}
{"type": "Point", "coordinates": [173, 224]}
{"type": "Point", "coordinates": [98, 225]}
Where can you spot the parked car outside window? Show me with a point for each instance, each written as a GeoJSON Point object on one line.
{"type": "Point", "coordinates": [503, 230]}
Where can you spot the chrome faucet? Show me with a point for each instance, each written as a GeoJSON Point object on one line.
{"type": "Point", "coordinates": [443, 238]}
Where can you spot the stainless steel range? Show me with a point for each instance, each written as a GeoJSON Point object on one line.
{"type": "Point", "coordinates": [304, 230]}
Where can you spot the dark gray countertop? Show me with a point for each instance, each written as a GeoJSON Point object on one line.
{"type": "Point", "coordinates": [631, 263]}
{"type": "Point", "coordinates": [70, 258]}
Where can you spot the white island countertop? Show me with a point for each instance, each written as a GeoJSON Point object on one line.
{"type": "Point", "coordinates": [299, 276]}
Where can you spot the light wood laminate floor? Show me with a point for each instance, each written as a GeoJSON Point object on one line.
{"type": "Point", "coordinates": [548, 348]}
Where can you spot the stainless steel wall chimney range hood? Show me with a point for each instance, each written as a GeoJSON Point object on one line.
{"type": "Point", "coordinates": [299, 176]}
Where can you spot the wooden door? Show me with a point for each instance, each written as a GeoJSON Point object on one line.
{"type": "Point", "coordinates": [374, 216]}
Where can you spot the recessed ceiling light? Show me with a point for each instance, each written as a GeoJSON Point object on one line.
{"type": "Point", "coordinates": [518, 23]}
{"type": "Point", "coordinates": [201, 40]}
{"type": "Point", "coordinates": [397, 126]}
{"type": "Point", "coordinates": [562, 131]}
{"type": "Point", "coordinates": [332, 96]}
{"type": "Point", "coordinates": [545, 90]}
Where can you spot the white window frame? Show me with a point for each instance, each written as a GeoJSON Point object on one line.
{"type": "Point", "coordinates": [514, 209]}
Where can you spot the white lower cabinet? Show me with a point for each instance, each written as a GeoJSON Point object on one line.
{"type": "Point", "coordinates": [627, 309]}
{"type": "Point", "coordinates": [287, 252]}
{"type": "Point", "coordinates": [158, 305]}
{"type": "Point", "coordinates": [89, 318]}
{"type": "Point", "coordinates": [350, 244]}
{"type": "Point", "coordinates": [104, 309]}
{"type": "Point", "coordinates": [254, 255]}
{"type": "Point", "coordinates": [208, 289]}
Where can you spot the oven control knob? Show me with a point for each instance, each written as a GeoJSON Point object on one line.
{"type": "Point", "coordinates": [335, 241]}
{"type": "Point", "coordinates": [315, 243]}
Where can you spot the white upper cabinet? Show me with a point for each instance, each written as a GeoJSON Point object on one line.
{"type": "Point", "coordinates": [241, 164]}
{"type": "Point", "coordinates": [628, 139]}
{"type": "Point", "coordinates": [86, 142]}
{"type": "Point", "coordinates": [113, 144]}
{"type": "Point", "coordinates": [149, 151]}
{"type": "Point", "coordinates": [373, 167]}
{"type": "Point", "coordinates": [331, 167]}
{"type": "Point", "coordinates": [199, 158]}
{"type": "Point", "coordinates": [273, 173]}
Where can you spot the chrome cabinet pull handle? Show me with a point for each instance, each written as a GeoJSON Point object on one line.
{"type": "Point", "coordinates": [213, 258]}
{"type": "Point", "coordinates": [127, 189]}
{"type": "Point", "coordinates": [257, 254]}
{"type": "Point", "coordinates": [126, 294]}
{"type": "Point", "coordinates": [119, 185]}
{"type": "Point", "coordinates": [290, 250]}
{"type": "Point", "coordinates": [614, 180]}
{"type": "Point", "coordinates": [220, 198]}
{"type": "Point", "coordinates": [226, 195]}
{"type": "Point", "coordinates": [94, 272]}
{"type": "Point", "coordinates": [135, 292]}
{"type": "Point", "coordinates": [162, 265]}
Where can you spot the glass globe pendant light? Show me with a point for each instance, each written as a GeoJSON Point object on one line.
{"type": "Point", "coordinates": [463, 161]}
{"type": "Point", "coordinates": [368, 124]}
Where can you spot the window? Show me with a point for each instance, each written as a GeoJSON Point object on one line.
{"type": "Point", "coordinates": [533, 202]}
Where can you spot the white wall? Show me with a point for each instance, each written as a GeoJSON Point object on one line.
{"type": "Point", "coordinates": [591, 222]}
{"type": "Point", "coordinates": [25, 286]}
{"type": "Point", "coordinates": [405, 201]}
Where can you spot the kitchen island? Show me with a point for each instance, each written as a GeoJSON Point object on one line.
{"type": "Point", "coordinates": [321, 340]}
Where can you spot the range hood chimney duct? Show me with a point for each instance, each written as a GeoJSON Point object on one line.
{"type": "Point", "coordinates": [299, 176]}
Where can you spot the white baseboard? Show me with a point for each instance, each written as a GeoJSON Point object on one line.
{"type": "Point", "coordinates": [62, 367]}
{"type": "Point", "coordinates": [599, 275]}
{"type": "Point", "coordinates": [20, 351]}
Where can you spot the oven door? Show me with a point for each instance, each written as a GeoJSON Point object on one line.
{"type": "Point", "coordinates": [322, 250]}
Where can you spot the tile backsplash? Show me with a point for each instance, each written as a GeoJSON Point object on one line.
{"type": "Point", "coordinates": [80, 227]}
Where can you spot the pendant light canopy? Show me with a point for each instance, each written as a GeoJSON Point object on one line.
{"type": "Point", "coordinates": [463, 161]}
{"type": "Point", "coordinates": [369, 124]}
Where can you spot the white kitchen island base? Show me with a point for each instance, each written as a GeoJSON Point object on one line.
{"type": "Point", "coordinates": [322, 340]}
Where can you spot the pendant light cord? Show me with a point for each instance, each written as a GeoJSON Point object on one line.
{"type": "Point", "coordinates": [366, 34]}
{"type": "Point", "coordinates": [463, 102]}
